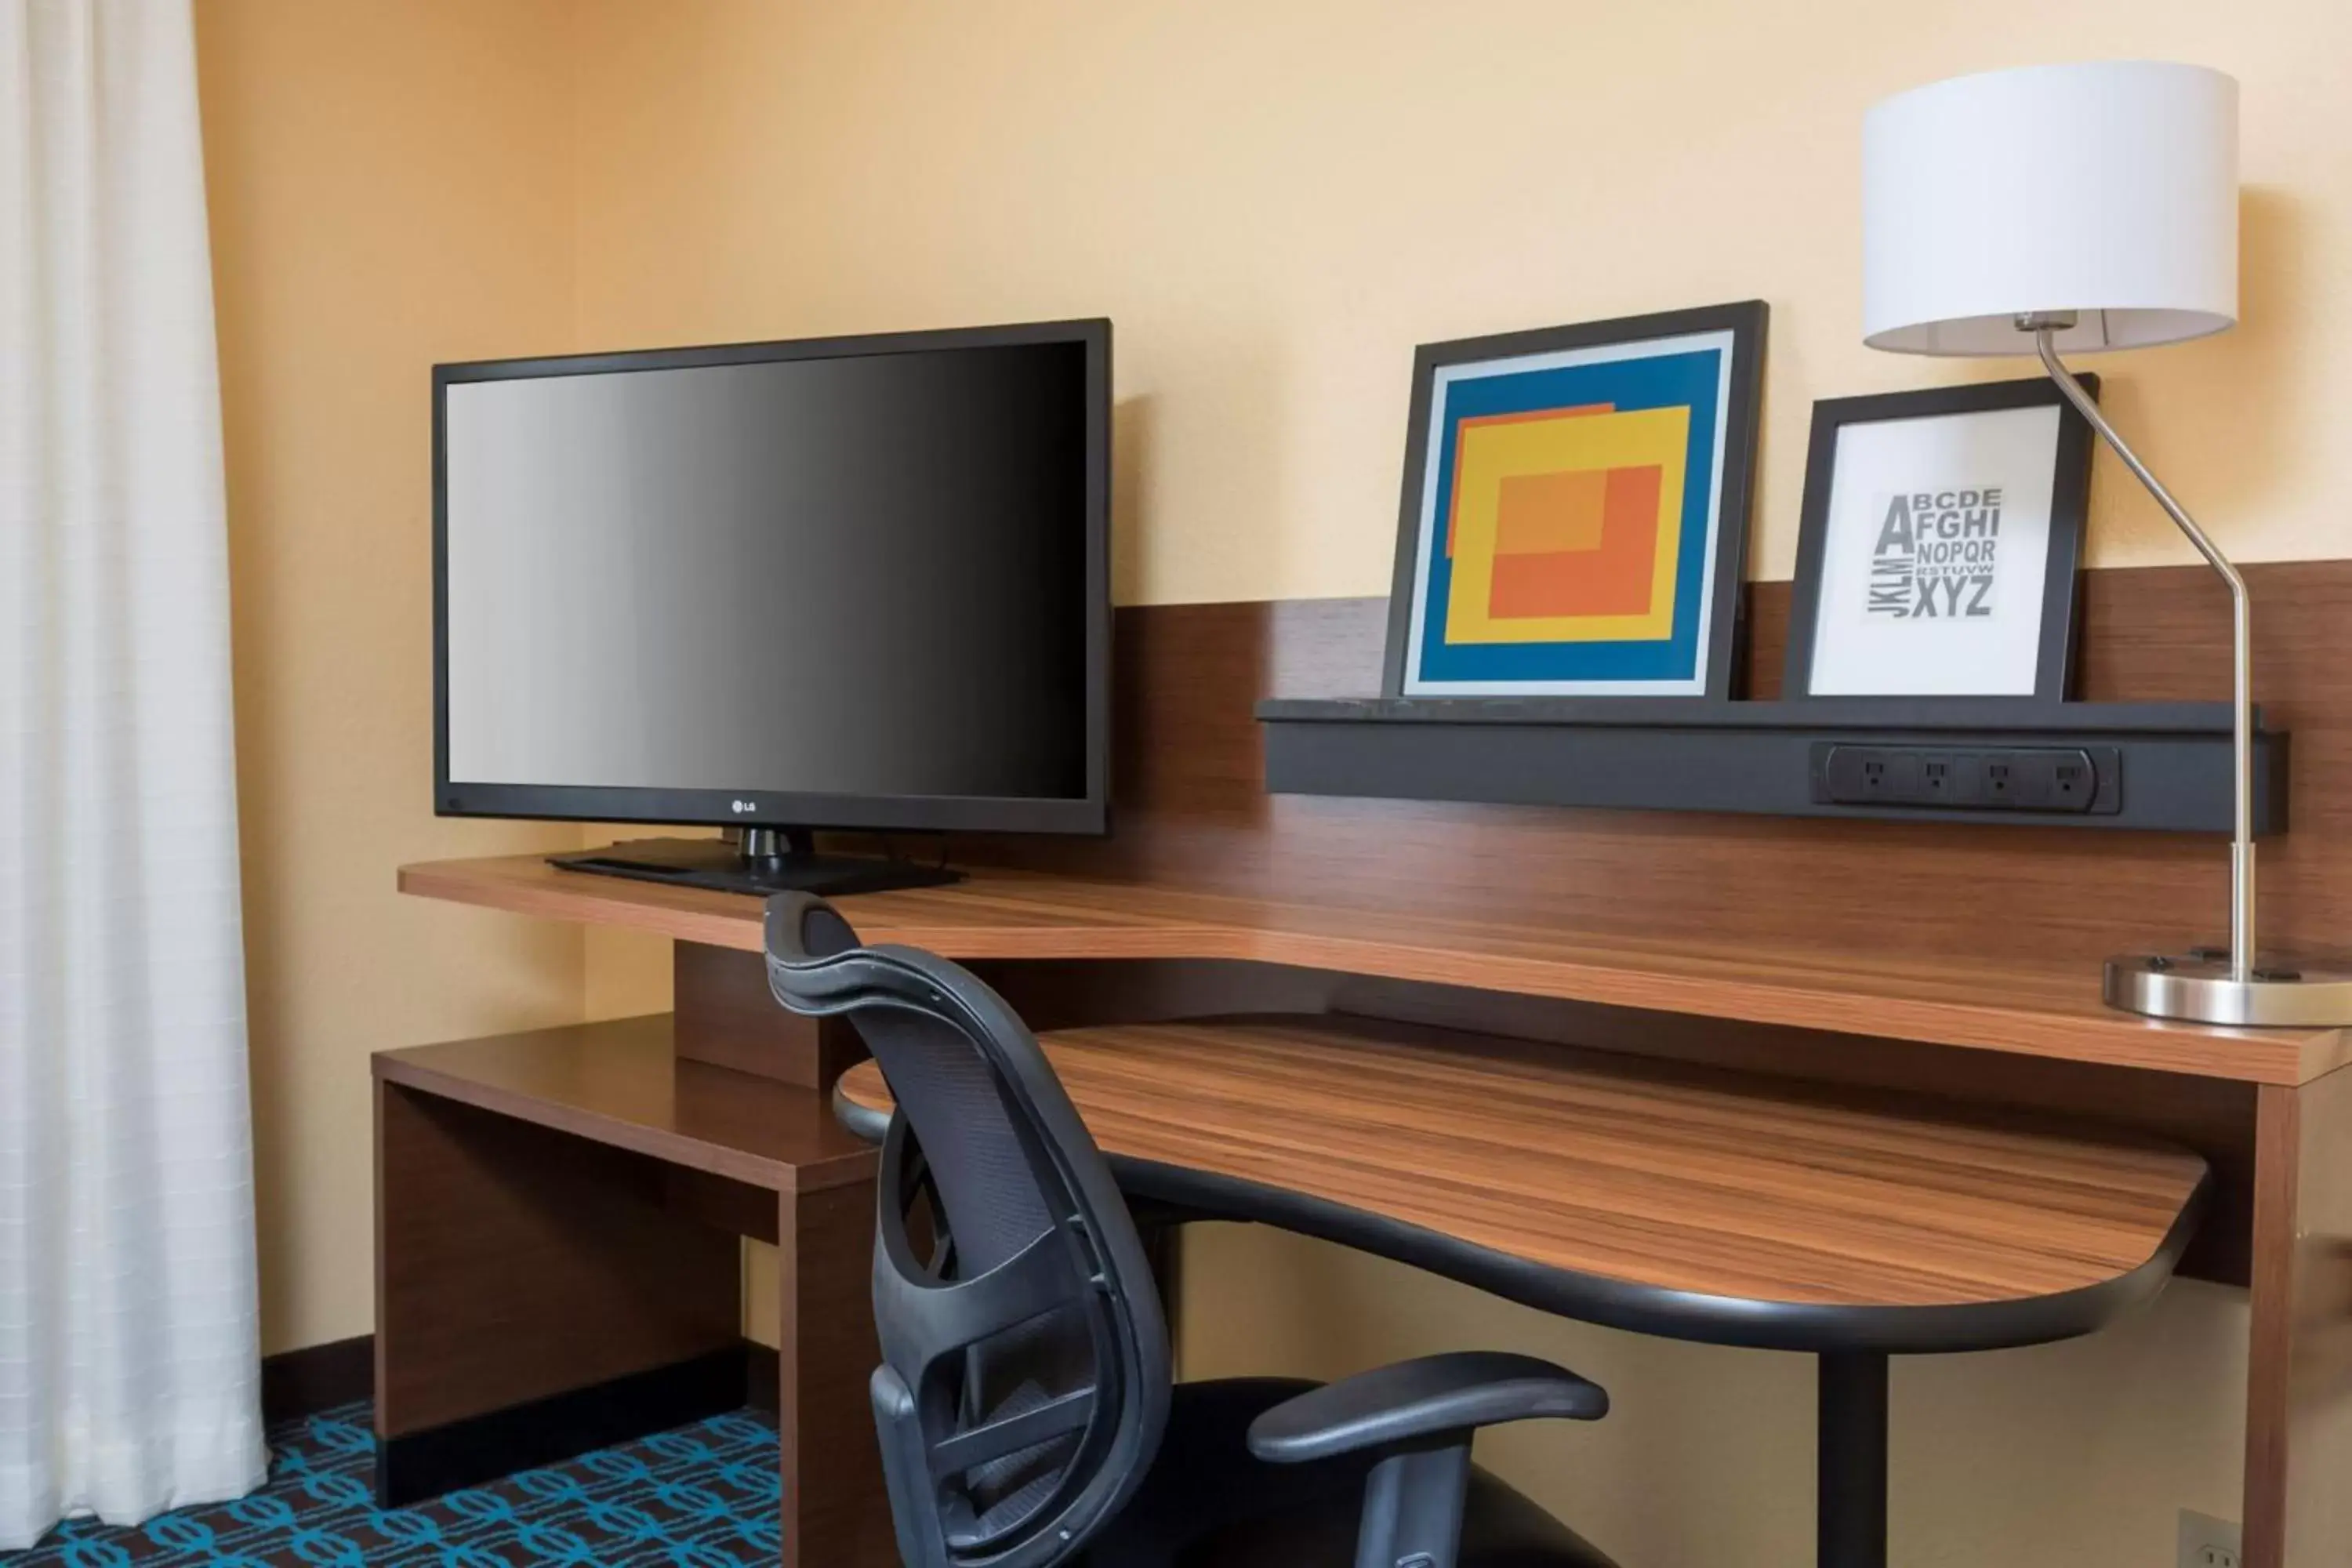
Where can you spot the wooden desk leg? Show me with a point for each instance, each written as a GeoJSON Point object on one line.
{"type": "Point", "coordinates": [835, 1512]}
{"type": "Point", "coordinates": [1160, 1227]}
{"type": "Point", "coordinates": [534, 1298]}
{"type": "Point", "coordinates": [1851, 1480]}
{"type": "Point", "coordinates": [2299, 1376]}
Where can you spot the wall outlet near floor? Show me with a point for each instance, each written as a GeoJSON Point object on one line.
{"type": "Point", "coordinates": [2206, 1541]}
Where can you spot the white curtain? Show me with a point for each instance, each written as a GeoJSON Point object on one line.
{"type": "Point", "coordinates": [127, 1350]}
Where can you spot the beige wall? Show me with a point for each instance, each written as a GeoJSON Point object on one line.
{"type": "Point", "coordinates": [1275, 202]}
{"type": "Point", "coordinates": [391, 185]}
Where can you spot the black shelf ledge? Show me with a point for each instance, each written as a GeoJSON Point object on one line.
{"type": "Point", "coordinates": [2154, 766]}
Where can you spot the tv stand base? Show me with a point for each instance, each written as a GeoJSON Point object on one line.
{"type": "Point", "coordinates": [767, 860]}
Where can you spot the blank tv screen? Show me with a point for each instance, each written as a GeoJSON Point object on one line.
{"type": "Point", "coordinates": [857, 577]}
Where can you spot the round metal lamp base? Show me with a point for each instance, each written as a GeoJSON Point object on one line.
{"type": "Point", "coordinates": [2196, 987]}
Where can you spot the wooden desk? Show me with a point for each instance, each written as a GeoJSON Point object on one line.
{"type": "Point", "coordinates": [1828, 952]}
{"type": "Point", "coordinates": [2268, 1110]}
{"type": "Point", "coordinates": [1666, 1199]}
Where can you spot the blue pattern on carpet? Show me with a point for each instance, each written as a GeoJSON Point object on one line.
{"type": "Point", "coordinates": [704, 1495]}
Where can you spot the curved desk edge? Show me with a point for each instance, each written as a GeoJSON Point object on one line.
{"type": "Point", "coordinates": [1678, 1314]}
{"type": "Point", "coordinates": [1652, 1310]}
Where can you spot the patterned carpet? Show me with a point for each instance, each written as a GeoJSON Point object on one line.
{"type": "Point", "coordinates": [703, 1496]}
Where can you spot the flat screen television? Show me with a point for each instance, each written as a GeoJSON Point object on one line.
{"type": "Point", "coordinates": [846, 582]}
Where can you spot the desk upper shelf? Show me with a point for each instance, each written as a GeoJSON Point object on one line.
{"type": "Point", "coordinates": [1019, 915]}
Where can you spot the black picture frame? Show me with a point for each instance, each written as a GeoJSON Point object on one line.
{"type": "Point", "coordinates": [1746, 320]}
{"type": "Point", "coordinates": [2069, 508]}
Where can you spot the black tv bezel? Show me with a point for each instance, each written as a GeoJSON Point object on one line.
{"type": "Point", "coordinates": [775, 808]}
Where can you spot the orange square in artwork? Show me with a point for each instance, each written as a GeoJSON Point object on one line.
{"type": "Point", "coordinates": [1612, 576]}
{"type": "Point", "coordinates": [1543, 514]}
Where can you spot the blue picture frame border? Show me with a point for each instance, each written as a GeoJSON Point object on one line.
{"type": "Point", "coordinates": [1746, 322]}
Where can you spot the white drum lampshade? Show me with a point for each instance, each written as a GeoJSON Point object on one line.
{"type": "Point", "coordinates": [2109, 190]}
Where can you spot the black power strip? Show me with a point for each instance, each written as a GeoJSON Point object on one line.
{"type": "Point", "coordinates": [2011, 778]}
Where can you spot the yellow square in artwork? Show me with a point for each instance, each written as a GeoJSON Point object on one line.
{"type": "Point", "coordinates": [1489, 452]}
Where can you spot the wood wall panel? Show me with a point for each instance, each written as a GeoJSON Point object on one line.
{"type": "Point", "coordinates": [1191, 808]}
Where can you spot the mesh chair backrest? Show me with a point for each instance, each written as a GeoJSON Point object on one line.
{"type": "Point", "coordinates": [1026, 1369]}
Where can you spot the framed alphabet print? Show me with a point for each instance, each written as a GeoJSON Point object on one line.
{"type": "Point", "coordinates": [1575, 512]}
{"type": "Point", "coordinates": [1938, 544]}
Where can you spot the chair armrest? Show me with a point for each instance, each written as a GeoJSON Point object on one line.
{"type": "Point", "coordinates": [1433, 1395]}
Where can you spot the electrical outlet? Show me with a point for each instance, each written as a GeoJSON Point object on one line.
{"type": "Point", "coordinates": [2042, 779]}
{"type": "Point", "coordinates": [2206, 1541]}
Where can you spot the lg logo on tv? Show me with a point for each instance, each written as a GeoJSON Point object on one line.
{"type": "Point", "coordinates": [740, 807]}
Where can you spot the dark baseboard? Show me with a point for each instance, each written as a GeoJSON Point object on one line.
{"type": "Point", "coordinates": [318, 1377]}
{"type": "Point", "coordinates": [419, 1465]}
{"type": "Point", "coordinates": [305, 1382]}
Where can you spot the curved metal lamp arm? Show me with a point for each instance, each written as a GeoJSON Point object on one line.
{"type": "Point", "coordinates": [2242, 755]}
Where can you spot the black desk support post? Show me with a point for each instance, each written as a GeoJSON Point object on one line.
{"type": "Point", "coordinates": [1851, 1518]}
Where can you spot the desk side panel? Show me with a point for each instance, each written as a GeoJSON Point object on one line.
{"type": "Point", "coordinates": [836, 1513]}
{"type": "Point", "coordinates": [514, 1262]}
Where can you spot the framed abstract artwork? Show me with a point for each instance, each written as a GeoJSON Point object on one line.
{"type": "Point", "coordinates": [1575, 513]}
{"type": "Point", "coordinates": [1938, 547]}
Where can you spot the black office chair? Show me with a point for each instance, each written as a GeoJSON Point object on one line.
{"type": "Point", "coordinates": [1024, 1401]}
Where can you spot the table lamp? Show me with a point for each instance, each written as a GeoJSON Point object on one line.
{"type": "Point", "coordinates": [2087, 207]}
